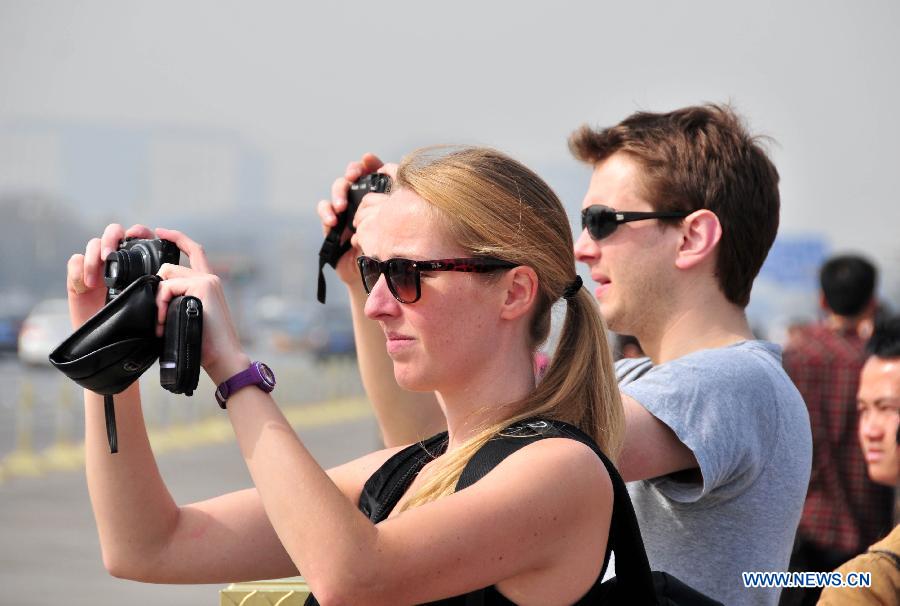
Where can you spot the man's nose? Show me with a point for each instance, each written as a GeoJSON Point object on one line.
{"type": "Point", "coordinates": [871, 427]}
{"type": "Point", "coordinates": [586, 248]}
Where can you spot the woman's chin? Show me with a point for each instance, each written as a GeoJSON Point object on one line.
{"type": "Point", "coordinates": [410, 380]}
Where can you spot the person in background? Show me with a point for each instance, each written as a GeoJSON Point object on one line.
{"type": "Point", "coordinates": [844, 511]}
{"type": "Point", "coordinates": [879, 436]}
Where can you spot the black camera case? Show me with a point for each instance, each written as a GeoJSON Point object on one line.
{"type": "Point", "coordinates": [179, 362]}
{"type": "Point", "coordinates": [119, 343]}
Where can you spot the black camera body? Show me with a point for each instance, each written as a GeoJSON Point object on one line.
{"type": "Point", "coordinates": [376, 183]}
{"type": "Point", "coordinates": [134, 258]}
{"type": "Point", "coordinates": [332, 249]}
{"type": "Point", "coordinates": [179, 357]}
{"type": "Point", "coordinates": [118, 344]}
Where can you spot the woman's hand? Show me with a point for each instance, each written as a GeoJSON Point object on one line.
{"type": "Point", "coordinates": [328, 210]}
{"type": "Point", "coordinates": [84, 281]}
{"type": "Point", "coordinates": [222, 355]}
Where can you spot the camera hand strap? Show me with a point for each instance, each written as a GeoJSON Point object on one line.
{"type": "Point", "coordinates": [332, 250]}
{"type": "Point", "coordinates": [110, 409]}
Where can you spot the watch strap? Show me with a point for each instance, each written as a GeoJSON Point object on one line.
{"type": "Point", "coordinates": [251, 376]}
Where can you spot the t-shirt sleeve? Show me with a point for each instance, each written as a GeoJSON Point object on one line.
{"type": "Point", "coordinates": [721, 405]}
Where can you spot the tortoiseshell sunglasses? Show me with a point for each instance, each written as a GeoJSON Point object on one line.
{"type": "Point", "coordinates": [404, 275]}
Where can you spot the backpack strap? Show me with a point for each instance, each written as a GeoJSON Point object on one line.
{"type": "Point", "coordinates": [632, 566]}
{"type": "Point", "coordinates": [384, 488]}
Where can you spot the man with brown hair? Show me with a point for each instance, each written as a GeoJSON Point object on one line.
{"type": "Point", "coordinates": [679, 216]}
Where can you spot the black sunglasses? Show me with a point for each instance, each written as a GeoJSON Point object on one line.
{"type": "Point", "coordinates": [601, 221]}
{"type": "Point", "coordinates": [404, 275]}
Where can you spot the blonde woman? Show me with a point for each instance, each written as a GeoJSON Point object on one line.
{"type": "Point", "coordinates": [460, 265]}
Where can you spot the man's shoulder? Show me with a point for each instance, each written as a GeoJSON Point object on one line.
{"type": "Point", "coordinates": [889, 543]}
{"type": "Point", "coordinates": [715, 364]}
{"type": "Point", "coordinates": [747, 374]}
{"type": "Point", "coordinates": [764, 352]}
{"type": "Point", "coordinates": [881, 563]}
{"type": "Point", "coordinates": [734, 408]}
{"type": "Point", "coordinates": [631, 369]}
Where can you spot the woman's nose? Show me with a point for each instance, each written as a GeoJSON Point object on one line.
{"type": "Point", "coordinates": [381, 302]}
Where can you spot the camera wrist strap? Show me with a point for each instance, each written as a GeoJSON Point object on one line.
{"type": "Point", "coordinates": [332, 250]}
{"type": "Point", "coordinates": [110, 409]}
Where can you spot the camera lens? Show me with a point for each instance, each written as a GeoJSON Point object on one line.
{"type": "Point", "coordinates": [115, 273]}
{"type": "Point", "coordinates": [112, 269]}
{"type": "Point", "coordinates": [122, 268]}
{"type": "Point", "coordinates": [382, 184]}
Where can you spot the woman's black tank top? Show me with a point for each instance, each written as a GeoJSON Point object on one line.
{"type": "Point", "coordinates": [384, 488]}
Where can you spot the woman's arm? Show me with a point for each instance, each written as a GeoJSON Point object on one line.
{"type": "Point", "coordinates": [404, 416]}
{"type": "Point", "coordinates": [137, 520]}
{"type": "Point", "coordinates": [143, 534]}
{"type": "Point", "coordinates": [539, 520]}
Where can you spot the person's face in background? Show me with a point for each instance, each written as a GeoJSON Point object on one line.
{"type": "Point", "coordinates": [878, 403]}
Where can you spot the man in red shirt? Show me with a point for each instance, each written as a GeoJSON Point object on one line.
{"type": "Point", "coordinates": [844, 511]}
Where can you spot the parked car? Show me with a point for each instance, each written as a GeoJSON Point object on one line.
{"type": "Point", "coordinates": [9, 333]}
{"type": "Point", "coordinates": [321, 331]}
{"type": "Point", "coordinates": [44, 328]}
{"type": "Point", "coordinates": [332, 341]}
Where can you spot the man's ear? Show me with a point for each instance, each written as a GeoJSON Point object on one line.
{"type": "Point", "coordinates": [521, 290]}
{"type": "Point", "coordinates": [700, 234]}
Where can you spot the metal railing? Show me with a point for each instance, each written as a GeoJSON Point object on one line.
{"type": "Point", "coordinates": [42, 420]}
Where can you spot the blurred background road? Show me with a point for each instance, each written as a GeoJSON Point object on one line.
{"type": "Point", "coordinates": [49, 552]}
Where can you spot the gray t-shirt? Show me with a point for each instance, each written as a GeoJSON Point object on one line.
{"type": "Point", "coordinates": [748, 427]}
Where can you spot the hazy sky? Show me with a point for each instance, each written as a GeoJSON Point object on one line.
{"type": "Point", "coordinates": [311, 85]}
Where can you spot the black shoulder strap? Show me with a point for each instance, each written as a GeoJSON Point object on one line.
{"type": "Point", "coordinates": [384, 488]}
{"type": "Point", "coordinates": [632, 566]}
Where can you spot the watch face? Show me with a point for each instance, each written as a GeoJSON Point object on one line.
{"type": "Point", "coordinates": [267, 374]}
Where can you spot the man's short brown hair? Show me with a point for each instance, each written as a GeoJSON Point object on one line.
{"type": "Point", "coordinates": [701, 157]}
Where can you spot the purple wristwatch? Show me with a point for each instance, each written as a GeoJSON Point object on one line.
{"type": "Point", "coordinates": [258, 374]}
